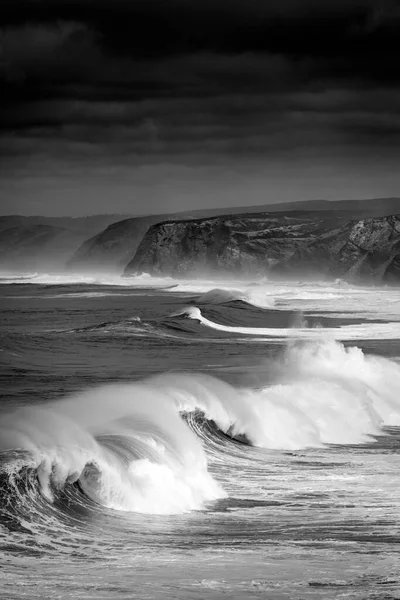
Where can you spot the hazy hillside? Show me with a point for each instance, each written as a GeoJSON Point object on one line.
{"type": "Point", "coordinates": [377, 207]}
{"type": "Point", "coordinates": [33, 247]}
{"type": "Point", "coordinates": [44, 243]}
{"type": "Point", "coordinates": [112, 248]}
{"type": "Point", "coordinates": [86, 225]}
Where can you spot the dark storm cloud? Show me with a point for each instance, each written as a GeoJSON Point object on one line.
{"type": "Point", "coordinates": [136, 81]}
{"type": "Point", "coordinates": [157, 27]}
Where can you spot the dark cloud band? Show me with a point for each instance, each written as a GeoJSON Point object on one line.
{"type": "Point", "coordinates": [182, 78]}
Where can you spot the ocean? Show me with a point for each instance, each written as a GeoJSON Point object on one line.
{"type": "Point", "coordinates": [165, 439]}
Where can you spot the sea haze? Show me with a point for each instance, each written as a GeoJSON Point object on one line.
{"type": "Point", "coordinates": [188, 439]}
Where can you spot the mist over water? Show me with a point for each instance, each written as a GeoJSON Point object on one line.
{"type": "Point", "coordinates": [198, 439]}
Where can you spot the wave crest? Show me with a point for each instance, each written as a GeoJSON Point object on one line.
{"type": "Point", "coordinates": [257, 297]}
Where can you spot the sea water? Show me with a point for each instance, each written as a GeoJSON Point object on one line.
{"type": "Point", "coordinates": [188, 439]}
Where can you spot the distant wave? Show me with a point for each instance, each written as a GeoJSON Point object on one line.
{"type": "Point", "coordinates": [126, 447]}
{"type": "Point", "coordinates": [257, 297]}
{"type": "Point", "coordinates": [17, 278]}
{"type": "Point", "coordinates": [54, 279]}
{"type": "Point", "coordinates": [315, 295]}
{"type": "Point", "coordinates": [133, 326]}
{"type": "Point", "coordinates": [363, 331]}
{"type": "Point", "coordinates": [185, 324]}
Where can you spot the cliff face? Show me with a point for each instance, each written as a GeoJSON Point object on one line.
{"type": "Point", "coordinates": [309, 244]}
{"type": "Point", "coordinates": [366, 250]}
{"type": "Point", "coordinates": [239, 243]}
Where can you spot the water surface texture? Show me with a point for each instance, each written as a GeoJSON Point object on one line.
{"type": "Point", "coordinates": [189, 440]}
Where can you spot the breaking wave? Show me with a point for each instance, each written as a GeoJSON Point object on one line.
{"type": "Point", "coordinates": [127, 447]}
{"type": "Point", "coordinates": [328, 395]}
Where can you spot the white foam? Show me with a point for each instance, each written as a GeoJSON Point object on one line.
{"type": "Point", "coordinates": [317, 295]}
{"type": "Point", "coordinates": [363, 302]}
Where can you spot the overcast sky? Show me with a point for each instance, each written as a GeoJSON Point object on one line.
{"type": "Point", "coordinates": [146, 106]}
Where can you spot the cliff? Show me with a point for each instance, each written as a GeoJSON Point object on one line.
{"type": "Point", "coordinates": [106, 243]}
{"type": "Point", "coordinates": [301, 243]}
{"type": "Point", "coordinates": [112, 248]}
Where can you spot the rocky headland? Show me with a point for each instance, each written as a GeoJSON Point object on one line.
{"type": "Point", "coordinates": [353, 239]}
{"type": "Point", "coordinates": [303, 243]}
